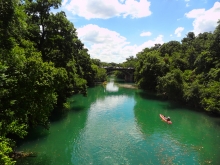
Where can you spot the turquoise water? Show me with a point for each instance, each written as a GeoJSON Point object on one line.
{"type": "Point", "coordinates": [116, 125]}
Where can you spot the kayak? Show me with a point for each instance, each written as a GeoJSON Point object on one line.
{"type": "Point", "coordinates": [165, 119]}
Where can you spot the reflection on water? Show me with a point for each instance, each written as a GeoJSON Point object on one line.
{"type": "Point", "coordinates": [123, 127]}
{"type": "Point", "coordinates": [109, 103]}
{"type": "Point", "coordinates": [111, 87]}
{"type": "Point", "coordinates": [103, 139]}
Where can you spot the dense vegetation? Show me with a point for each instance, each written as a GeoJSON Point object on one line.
{"type": "Point", "coordinates": [42, 63]}
{"type": "Point", "coordinates": [186, 71]}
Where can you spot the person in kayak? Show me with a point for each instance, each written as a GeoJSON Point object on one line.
{"type": "Point", "coordinates": [167, 118]}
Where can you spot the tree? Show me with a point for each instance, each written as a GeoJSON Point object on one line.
{"type": "Point", "coordinates": [56, 38]}
{"type": "Point", "coordinates": [11, 24]}
{"type": "Point", "coordinates": [191, 89]}
{"type": "Point", "coordinates": [169, 48]}
{"type": "Point", "coordinates": [130, 62]}
{"type": "Point", "coordinates": [100, 73]}
{"type": "Point", "coordinates": [215, 46]}
{"type": "Point", "coordinates": [171, 85]}
{"type": "Point", "coordinates": [210, 97]}
{"type": "Point", "coordinates": [97, 62]}
{"type": "Point", "coordinates": [38, 15]}
{"type": "Point", "coordinates": [189, 71]}
{"type": "Point", "coordinates": [28, 85]}
{"type": "Point", "coordinates": [149, 67]}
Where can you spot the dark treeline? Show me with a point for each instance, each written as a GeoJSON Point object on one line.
{"type": "Point", "coordinates": [42, 63]}
{"type": "Point", "coordinates": [186, 71]}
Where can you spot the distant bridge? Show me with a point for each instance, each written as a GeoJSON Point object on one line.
{"type": "Point", "coordinates": [128, 71]}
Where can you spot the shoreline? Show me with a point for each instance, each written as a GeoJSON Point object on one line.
{"type": "Point", "coordinates": [128, 86]}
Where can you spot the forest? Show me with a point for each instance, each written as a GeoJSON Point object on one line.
{"type": "Point", "coordinates": [43, 63]}
{"type": "Point", "coordinates": [186, 72]}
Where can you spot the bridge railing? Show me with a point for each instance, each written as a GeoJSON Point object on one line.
{"type": "Point", "coordinates": [117, 67]}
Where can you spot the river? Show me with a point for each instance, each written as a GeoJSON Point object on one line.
{"type": "Point", "coordinates": [117, 125]}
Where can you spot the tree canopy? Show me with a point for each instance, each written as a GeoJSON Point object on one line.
{"type": "Point", "coordinates": [186, 71]}
{"type": "Point", "coordinates": [42, 63]}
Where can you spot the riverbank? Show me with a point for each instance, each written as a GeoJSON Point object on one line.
{"type": "Point", "coordinates": [131, 86]}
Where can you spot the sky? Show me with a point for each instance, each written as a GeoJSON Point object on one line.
{"type": "Point", "coordinates": [113, 30]}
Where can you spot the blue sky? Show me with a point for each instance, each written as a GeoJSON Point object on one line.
{"type": "Point", "coordinates": [113, 30]}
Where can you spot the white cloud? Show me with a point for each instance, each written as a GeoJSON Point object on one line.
{"type": "Point", "coordinates": [97, 35]}
{"type": "Point", "coordinates": [150, 43]}
{"type": "Point", "coordinates": [187, 5]}
{"type": "Point", "coordinates": [205, 20]}
{"type": "Point", "coordinates": [187, 0]}
{"type": "Point", "coordinates": [104, 44]}
{"type": "Point", "coordinates": [178, 31]}
{"type": "Point", "coordinates": [106, 9]}
{"type": "Point", "coordinates": [110, 46]}
{"type": "Point", "coordinates": [195, 13]}
{"type": "Point", "coordinates": [145, 34]}
{"type": "Point", "coordinates": [64, 2]}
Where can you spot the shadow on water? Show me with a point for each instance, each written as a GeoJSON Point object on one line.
{"type": "Point", "coordinates": [40, 132]}
{"type": "Point", "coordinates": [33, 134]}
{"type": "Point", "coordinates": [153, 96]}
{"type": "Point", "coordinates": [57, 116]}
{"type": "Point", "coordinates": [166, 104]}
{"type": "Point", "coordinates": [36, 133]}
{"type": "Point", "coordinates": [148, 95]}
{"type": "Point", "coordinates": [77, 108]}
{"type": "Point", "coordinates": [44, 160]}
{"type": "Point", "coordinates": [173, 105]}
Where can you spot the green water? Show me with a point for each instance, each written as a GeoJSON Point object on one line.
{"type": "Point", "coordinates": [116, 125]}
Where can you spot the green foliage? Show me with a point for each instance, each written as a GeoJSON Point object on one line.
{"type": "Point", "coordinates": [85, 65]}
{"type": "Point", "coordinates": [192, 90]}
{"type": "Point", "coordinates": [42, 63]}
{"type": "Point", "coordinates": [214, 74]}
{"type": "Point", "coordinates": [188, 71]}
{"type": "Point", "coordinates": [171, 84]}
{"type": "Point", "coordinates": [169, 48]}
{"type": "Point", "coordinates": [56, 38]}
{"type": "Point", "coordinates": [5, 151]}
{"type": "Point", "coordinates": [176, 61]}
{"type": "Point", "coordinates": [100, 73]}
{"type": "Point", "coordinates": [210, 96]}
{"type": "Point", "coordinates": [96, 62]}
{"type": "Point", "coordinates": [215, 46]}
{"type": "Point", "coordinates": [149, 66]}
{"type": "Point", "coordinates": [130, 62]}
{"type": "Point", "coordinates": [38, 86]}
{"type": "Point", "coordinates": [203, 62]}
